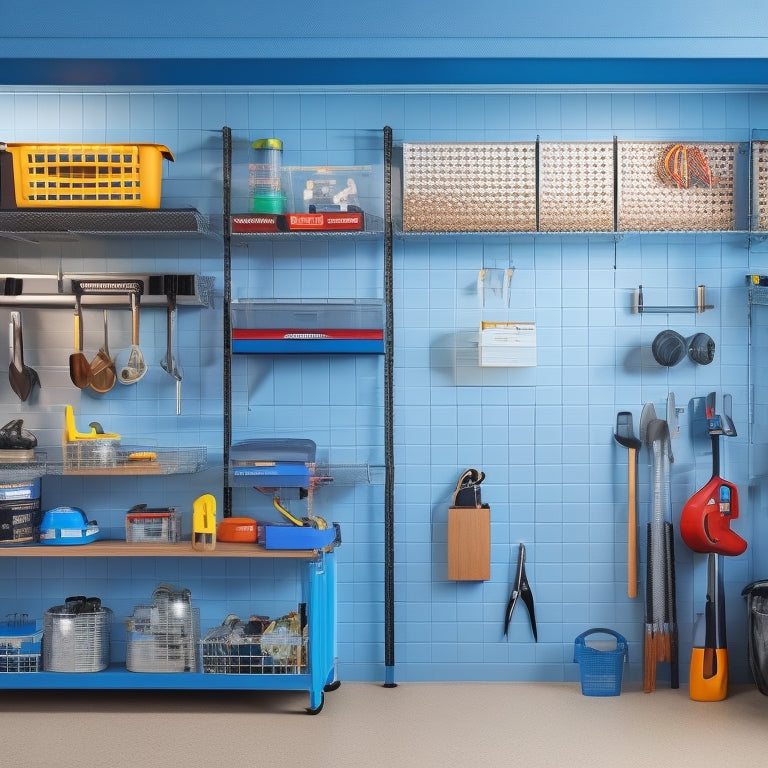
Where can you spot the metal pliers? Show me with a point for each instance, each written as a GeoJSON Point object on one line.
{"type": "Point", "coordinates": [521, 588]}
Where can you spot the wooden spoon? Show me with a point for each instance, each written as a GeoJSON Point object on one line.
{"type": "Point", "coordinates": [103, 373]}
{"type": "Point", "coordinates": [79, 367]}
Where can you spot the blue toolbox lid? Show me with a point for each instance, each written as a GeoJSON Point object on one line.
{"type": "Point", "coordinates": [273, 449]}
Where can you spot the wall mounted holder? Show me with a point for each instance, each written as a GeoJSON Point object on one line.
{"type": "Point", "coordinates": [102, 291]}
{"type": "Point", "coordinates": [639, 307]}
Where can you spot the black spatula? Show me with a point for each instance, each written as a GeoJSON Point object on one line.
{"type": "Point", "coordinates": [21, 377]}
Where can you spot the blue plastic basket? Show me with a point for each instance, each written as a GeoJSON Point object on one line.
{"type": "Point", "coordinates": [601, 670]}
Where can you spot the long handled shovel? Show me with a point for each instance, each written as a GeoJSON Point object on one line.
{"type": "Point", "coordinates": [625, 436]}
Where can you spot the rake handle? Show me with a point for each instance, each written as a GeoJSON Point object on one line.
{"type": "Point", "coordinates": [632, 523]}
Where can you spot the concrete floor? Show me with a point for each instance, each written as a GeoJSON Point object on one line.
{"type": "Point", "coordinates": [364, 725]}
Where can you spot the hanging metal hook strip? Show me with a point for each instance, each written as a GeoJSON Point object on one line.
{"type": "Point", "coordinates": [108, 286]}
{"type": "Point", "coordinates": [52, 291]}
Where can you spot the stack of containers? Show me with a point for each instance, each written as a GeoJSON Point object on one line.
{"type": "Point", "coordinates": [20, 512]}
{"type": "Point", "coordinates": [163, 637]}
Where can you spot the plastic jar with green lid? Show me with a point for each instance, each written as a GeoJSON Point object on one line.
{"type": "Point", "coordinates": [265, 177]}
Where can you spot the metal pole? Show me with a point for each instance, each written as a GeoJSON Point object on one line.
{"type": "Point", "coordinates": [389, 460]}
{"type": "Point", "coordinates": [227, 335]}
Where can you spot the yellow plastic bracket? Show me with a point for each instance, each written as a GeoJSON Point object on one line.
{"type": "Point", "coordinates": [204, 522]}
{"type": "Point", "coordinates": [71, 434]}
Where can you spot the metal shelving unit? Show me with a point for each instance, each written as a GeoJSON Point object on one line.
{"type": "Point", "coordinates": [376, 229]}
{"type": "Point", "coordinates": [318, 582]}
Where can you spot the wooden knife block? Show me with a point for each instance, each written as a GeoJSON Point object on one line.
{"type": "Point", "coordinates": [469, 543]}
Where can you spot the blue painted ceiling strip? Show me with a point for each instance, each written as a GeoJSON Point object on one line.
{"type": "Point", "coordinates": [381, 71]}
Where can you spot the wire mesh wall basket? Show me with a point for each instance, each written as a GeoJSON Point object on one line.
{"type": "Point", "coordinates": [760, 186]}
{"type": "Point", "coordinates": [20, 644]}
{"type": "Point", "coordinates": [601, 668]}
{"type": "Point", "coordinates": [76, 637]}
{"type": "Point", "coordinates": [469, 187]}
{"type": "Point", "coordinates": [576, 186]}
{"type": "Point", "coordinates": [163, 637]}
{"type": "Point", "coordinates": [700, 195]}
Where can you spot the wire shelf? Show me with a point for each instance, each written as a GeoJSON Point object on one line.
{"type": "Point", "coordinates": [172, 221]}
{"type": "Point", "coordinates": [23, 471]}
{"type": "Point", "coordinates": [108, 457]}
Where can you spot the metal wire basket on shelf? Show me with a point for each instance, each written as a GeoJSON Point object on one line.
{"type": "Point", "coordinates": [234, 648]}
{"type": "Point", "coordinates": [163, 637]}
{"type": "Point", "coordinates": [76, 636]}
{"type": "Point", "coordinates": [20, 644]}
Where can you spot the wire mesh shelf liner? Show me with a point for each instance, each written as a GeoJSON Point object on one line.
{"type": "Point", "coordinates": [760, 185]}
{"type": "Point", "coordinates": [469, 187]}
{"type": "Point", "coordinates": [576, 186]}
{"type": "Point", "coordinates": [647, 203]}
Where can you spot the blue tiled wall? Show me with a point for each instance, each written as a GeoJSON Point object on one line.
{"type": "Point", "coordinates": [555, 477]}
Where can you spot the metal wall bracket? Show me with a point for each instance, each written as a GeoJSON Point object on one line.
{"type": "Point", "coordinates": [639, 307]}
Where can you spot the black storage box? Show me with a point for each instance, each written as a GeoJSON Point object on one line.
{"type": "Point", "coordinates": [20, 520]}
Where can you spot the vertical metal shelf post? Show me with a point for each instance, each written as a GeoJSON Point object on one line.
{"type": "Point", "coordinates": [227, 300]}
{"type": "Point", "coordinates": [389, 464]}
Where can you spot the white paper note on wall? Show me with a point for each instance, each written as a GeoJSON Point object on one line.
{"type": "Point", "coordinates": [507, 344]}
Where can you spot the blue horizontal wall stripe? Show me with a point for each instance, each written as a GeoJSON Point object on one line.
{"type": "Point", "coordinates": [383, 71]}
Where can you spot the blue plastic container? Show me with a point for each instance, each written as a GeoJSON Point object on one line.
{"type": "Point", "coordinates": [601, 670]}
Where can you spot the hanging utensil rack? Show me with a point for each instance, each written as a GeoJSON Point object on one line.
{"type": "Point", "coordinates": [102, 291]}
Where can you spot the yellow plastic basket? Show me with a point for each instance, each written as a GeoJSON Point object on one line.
{"type": "Point", "coordinates": [88, 175]}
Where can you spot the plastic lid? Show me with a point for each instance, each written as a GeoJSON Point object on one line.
{"type": "Point", "coordinates": [267, 144]}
